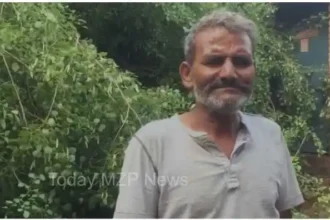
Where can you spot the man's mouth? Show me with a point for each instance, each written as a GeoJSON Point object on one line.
{"type": "Point", "coordinates": [228, 89]}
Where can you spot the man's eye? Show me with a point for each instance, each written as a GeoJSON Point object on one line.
{"type": "Point", "coordinates": [215, 61]}
{"type": "Point", "coordinates": [241, 61]}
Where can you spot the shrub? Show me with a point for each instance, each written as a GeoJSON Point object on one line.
{"type": "Point", "coordinates": [67, 111]}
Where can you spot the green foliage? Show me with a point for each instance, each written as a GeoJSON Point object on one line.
{"type": "Point", "coordinates": [67, 110]}
{"type": "Point", "coordinates": [326, 110]}
{"type": "Point", "coordinates": [143, 38]}
{"type": "Point", "coordinates": [315, 21]}
{"type": "Point", "coordinates": [155, 53]}
{"type": "Point", "coordinates": [315, 189]}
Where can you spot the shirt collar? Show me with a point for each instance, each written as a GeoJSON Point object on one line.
{"type": "Point", "coordinates": [244, 121]}
{"type": "Point", "coordinates": [246, 124]}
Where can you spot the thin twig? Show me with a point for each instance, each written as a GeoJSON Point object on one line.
{"type": "Point", "coordinates": [52, 105]}
{"type": "Point", "coordinates": [2, 6]}
{"type": "Point", "coordinates": [77, 40]}
{"type": "Point", "coordinates": [27, 68]}
{"type": "Point", "coordinates": [18, 60]}
{"type": "Point", "coordinates": [16, 176]}
{"type": "Point", "coordinates": [123, 96]}
{"type": "Point", "coordinates": [271, 102]}
{"type": "Point", "coordinates": [122, 126]}
{"type": "Point", "coordinates": [302, 142]}
{"type": "Point", "coordinates": [15, 88]}
{"type": "Point", "coordinates": [121, 93]}
{"type": "Point", "coordinates": [17, 14]}
{"type": "Point", "coordinates": [35, 116]}
{"type": "Point", "coordinates": [117, 134]}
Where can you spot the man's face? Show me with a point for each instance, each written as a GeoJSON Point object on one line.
{"type": "Point", "coordinates": [222, 71]}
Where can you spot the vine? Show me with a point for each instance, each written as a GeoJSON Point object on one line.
{"type": "Point", "coordinates": [67, 110]}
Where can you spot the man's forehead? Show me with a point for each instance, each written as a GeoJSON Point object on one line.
{"type": "Point", "coordinates": [213, 49]}
{"type": "Point", "coordinates": [221, 40]}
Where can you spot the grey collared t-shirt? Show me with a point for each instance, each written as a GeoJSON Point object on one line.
{"type": "Point", "coordinates": [170, 171]}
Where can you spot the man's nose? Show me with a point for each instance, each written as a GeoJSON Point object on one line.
{"type": "Point", "coordinates": [227, 69]}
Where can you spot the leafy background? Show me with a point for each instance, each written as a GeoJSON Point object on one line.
{"type": "Point", "coordinates": [77, 80]}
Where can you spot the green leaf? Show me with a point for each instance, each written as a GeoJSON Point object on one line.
{"type": "Point", "coordinates": [37, 24]}
{"type": "Point", "coordinates": [54, 113]}
{"type": "Point", "coordinates": [51, 122]}
{"type": "Point", "coordinates": [48, 150]}
{"type": "Point", "coordinates": [35, 208]}
{"type": "Point", "coordinates": [36, 153]}
{"type": "Point", "coordinates": [102, 127]}
{"type": "Point", "coordinates": [42, 196]}
{"type": "Point", "coordinates": [42, 177]}
{"type": "Point", "coordinates": [72, 158]}
{"type": "Point", "coordinates": [26, 214]}
{"type": "Point", "coordinates": [72, 150]}
{"type": "Point", "coordinates": [45, 131]}
{"type": "Point", "coordinates": [3, 124]}
{"type": "Point", "coordinates": [50, 16]}
{"type": "Point", "coordinates": [32, 175]}
{"type": "Point", "coordinates": [15, 66]}
{"type": "Point", "coordinates": [15, 112]}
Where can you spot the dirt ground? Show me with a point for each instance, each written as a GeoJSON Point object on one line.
{"type": "Point", "coordinates": [317, 165]}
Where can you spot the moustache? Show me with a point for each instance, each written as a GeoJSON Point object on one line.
{"type": "Point", "coordinates": [228, 83]}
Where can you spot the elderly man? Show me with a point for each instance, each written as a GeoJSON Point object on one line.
{"type": "Point", "coordinates": [214, 161]}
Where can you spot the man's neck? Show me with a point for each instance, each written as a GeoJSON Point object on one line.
{"type": "Point", "coordinates": [200, 119]}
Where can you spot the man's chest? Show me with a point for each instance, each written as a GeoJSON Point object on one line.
{"type": "Point", "coordinates": [208, 184]}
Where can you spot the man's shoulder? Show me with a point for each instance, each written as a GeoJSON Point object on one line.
{"type": "Point", "coordinates": [156, 129]}
{"type": "Point", "coordinates": [259, 121]}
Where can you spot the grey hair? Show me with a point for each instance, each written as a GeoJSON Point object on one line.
{"type": "Point", "coordinates": [232, 21]}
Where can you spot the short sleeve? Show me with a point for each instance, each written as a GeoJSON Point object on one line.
{"type": "Point", "coordinates": [290, 195]}
{"type": "Point", "coordinates": [138, 196]}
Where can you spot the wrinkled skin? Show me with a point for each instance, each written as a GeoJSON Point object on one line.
{"type": "Point", "coordinates": [222, 70]}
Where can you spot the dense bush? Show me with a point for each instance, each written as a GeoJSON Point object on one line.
{"type": "Point", "coordinates": [153, 51]}
{"type": "Point", "coordinates": [67, 111]}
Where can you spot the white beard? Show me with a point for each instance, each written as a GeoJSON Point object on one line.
{"type": "Point", "coordinates": [215, 104]}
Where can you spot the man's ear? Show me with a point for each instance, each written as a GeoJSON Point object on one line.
{"type": "Point", "coordinates": [186, 76]}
